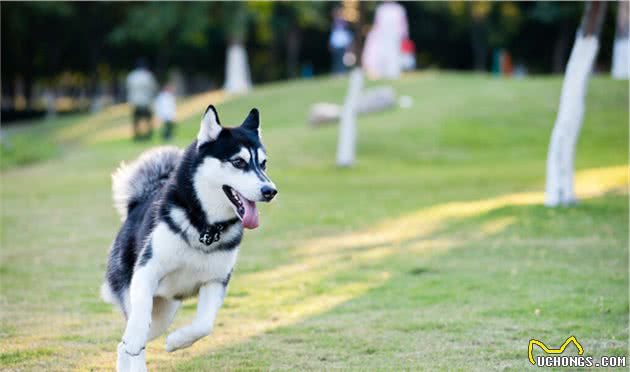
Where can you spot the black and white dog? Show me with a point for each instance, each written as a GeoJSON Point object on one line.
{"type": "Point", "coordinates": [184, 214]}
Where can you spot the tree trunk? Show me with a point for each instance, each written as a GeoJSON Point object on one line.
{"type": "Point", "coordinates": [560, 159]}
{"type": "Point", "coordinates": [28, 89]}
{"type": "Point", "coordinates": [620, 64]}
{"type": "Point", "coordinates": [480, 49]}
{"type": "Point", "coordinates": [8, 92]}
{"type": "Point", "coordinates": [161, 61]}
{"type": "Point", "coordinates": [237, 78]}
{"type": "Point", "coordinates": [293, 52]}
{"type": "Point", "coordinates": [347, 142]}
{"type": "Point", "coordinates": [560, 49]}
{"type": "Point", "coordinates": [479, 12]}
{"type": "Point", "coordinates": [346, 147]}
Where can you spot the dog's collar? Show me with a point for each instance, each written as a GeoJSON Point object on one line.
{"type": "Point", "coordinates": [212, 232]}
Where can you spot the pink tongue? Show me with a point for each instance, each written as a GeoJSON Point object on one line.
{"type": "Point", "coordinates": [250, 217]}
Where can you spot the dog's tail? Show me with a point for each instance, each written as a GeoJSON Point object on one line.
{"type": "Point", "coordinates": [107, 295]}
{"type": "Point", "coordinates": [135, 182]}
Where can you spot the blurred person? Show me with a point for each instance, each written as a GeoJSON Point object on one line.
{"type": "Point", "coordinates": [339, 42]}
{"type": "Point", "coordinates": [165, 110]}
{"type": "Point", "coordinates": [141, 89]}
{"type": "Point", "coordinates": [408, 50]}
{"type": "Point", "coordinates": [382, 56]}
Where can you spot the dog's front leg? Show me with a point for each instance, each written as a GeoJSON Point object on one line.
{"type": "Point", "coordinates": [141, 290]}
{"type": "Point", "coordinates": [210, 300]}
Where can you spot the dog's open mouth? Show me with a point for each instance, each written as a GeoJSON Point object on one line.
{"type": "Point", "coordinates": [245, 209]}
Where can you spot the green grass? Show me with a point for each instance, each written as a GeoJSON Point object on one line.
{"type": "Point", "coordinates": [28, 143]}
{"type": "Point", "coordinates": [432, 253]}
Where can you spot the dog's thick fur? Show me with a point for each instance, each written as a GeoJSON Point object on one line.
{"type": "Point", "coordinates": [168, 199]}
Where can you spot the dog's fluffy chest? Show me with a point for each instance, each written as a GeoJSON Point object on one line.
{"type": "Point", "coordinates": [195, 270]}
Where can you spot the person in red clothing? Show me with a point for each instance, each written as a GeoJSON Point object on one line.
{"type": "Point", "coordinates": [408, 58]}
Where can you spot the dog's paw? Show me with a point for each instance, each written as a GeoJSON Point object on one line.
{"type": "Point", "coordinates": [178, 340]}
{"type": "Point", "coordinates": [130, 363]}
{"type": "Point", "coordinates": [133, 343]}
{"type": "Point", "coordinates": [183, 338]}
{"type": "Point", "coordinates": [138, 363]}
{"type": "Point", "coordinates": [122, 362]}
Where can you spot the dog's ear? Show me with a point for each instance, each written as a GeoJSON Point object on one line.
{"type": "Point", "coordinates": [252, 121]}
{"type": "Point", "coordinates": [210, 126]}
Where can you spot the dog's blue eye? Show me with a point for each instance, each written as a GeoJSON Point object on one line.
{"type": "Point", "coordinates": [239, 163]}
{"type": "Point", "coordinates": [263, 165]}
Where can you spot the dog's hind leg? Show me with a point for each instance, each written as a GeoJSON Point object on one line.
{"type": "Point", "coordinates": [210, 300]}
{"type": "Point", "coordinates": [162, 315]}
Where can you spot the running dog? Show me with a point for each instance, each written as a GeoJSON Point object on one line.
{"type": "Point", "coordinates": [183, 216]}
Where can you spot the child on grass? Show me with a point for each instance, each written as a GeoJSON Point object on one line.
{"type": "Point", "coordinates": [165, 110]}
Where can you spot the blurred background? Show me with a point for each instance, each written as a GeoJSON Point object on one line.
{"type": "Point", "coordinates": [453, 177]}
{"type": "Point", "coordinates": [78, 54]}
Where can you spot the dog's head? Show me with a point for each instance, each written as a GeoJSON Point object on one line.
{"type": "Point", "coordinates": [234, 161]}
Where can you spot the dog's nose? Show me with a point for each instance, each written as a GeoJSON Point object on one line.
{"type": "Point", "coordinates": [268, 192]}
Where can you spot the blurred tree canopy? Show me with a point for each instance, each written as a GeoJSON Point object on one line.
{"type": "Point", "coordinates": [87, 43]}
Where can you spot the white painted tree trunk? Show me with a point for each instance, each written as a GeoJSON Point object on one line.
{"type": "Point", "coordinates": [237, 78]}
{"type": "Point", "coordinates": [560, 159]}
{"type": "Point", "coordinates": [620, 64]}
{"type": "Point", "coordinates": [346, 147]}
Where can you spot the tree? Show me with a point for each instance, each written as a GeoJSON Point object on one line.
{"type": "Point", "coordinates": [158, 27]}
{"type": "Point", "coordinates": [237, 75]}
{"type": "Point", "coordinates": [560, 159]}
{"type": "Point", "coordinates": [620, 67]}
{"type": "Point", "coordinates": [289, 19]}
{"type": "Point", "coordinates": [33, 34]}
{"type": "Point", "coordinates": [562, 16]}
{"type": "Point", "coordinates": [488, 25]}
{"type": "Point", "coordinates": [479, 11]}
{"type": "Point", "coordinates": [346, 147]}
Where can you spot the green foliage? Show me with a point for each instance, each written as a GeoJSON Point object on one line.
{"type": "Point", "coordinates": [306, 14]}
{"type": "Point", "coordinates": [43, 40]}
{"type": "Point", "coordinates": [550, 12]}
{"type": "Point", "coordinates": [500, 21]}
{"type": "Point", "coordinates": [260, 13]}
{"type": "Point", "coordinates": [23, 48]}
{"type": "Point", "coordinates": [160, 24]}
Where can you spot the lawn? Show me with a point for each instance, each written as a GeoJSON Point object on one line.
{"type": "Point", "coordinates": [434, 252]}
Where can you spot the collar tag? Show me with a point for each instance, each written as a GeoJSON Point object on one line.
{"type": "Point", "coordinates": [211, 234]}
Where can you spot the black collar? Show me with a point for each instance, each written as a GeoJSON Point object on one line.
{"type": "Point", "coordinates": [212, 232]}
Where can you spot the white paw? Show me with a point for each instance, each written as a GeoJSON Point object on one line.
{"type": "Point", "coordinates": [183, 338]}
{"type": "Point", "coordinates": [133, 342]}
{"type": "Point", "coordinates": [138, 363]}
{"type": "Point", "coordinates": [129, 363]}
{"type": "Point", "coordinates": [122, 363]}
{"type": "Point", "coordinates": [178, 340]}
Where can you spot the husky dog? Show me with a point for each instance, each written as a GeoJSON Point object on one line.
{"type": "Point", "coordinates": [183, 216]}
